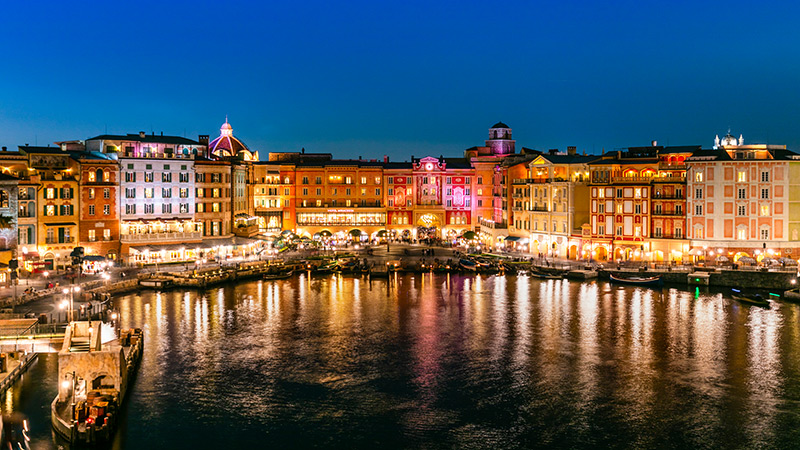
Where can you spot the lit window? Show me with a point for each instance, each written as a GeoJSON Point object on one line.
{"type": "Point", "coordinates": [764, 210]}
{"type": "Point", "coordinates": [698, 177]}
{"type": "Point", "coordinates": [741, 176]}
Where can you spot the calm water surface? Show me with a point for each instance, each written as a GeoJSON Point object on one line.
{"type": "Point", "coordinates": [430, 361]}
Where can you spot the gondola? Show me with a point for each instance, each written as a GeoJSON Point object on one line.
{"type": "Point", "coordinates": [466, 264]}
{"type": "Point", "coordinates": [277, 276]}
{"type": "Point", "coordinates": [756, 299]}
{"type": "Point", "coordinates": [545, 276]}
{"type": "Point", "coordinates": [636, 281]}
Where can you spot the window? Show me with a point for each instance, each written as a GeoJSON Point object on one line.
{"type": "Point", "coordinates": [106, 210]}
{"type": "Point", "coordinates": [480, 191]}
{"type": "Point", "coordinates": [480, 203]}
{"type": "Point", "coordinates": [166, 207]}
{"type": "Point", "coordinates": [183, 177]}
{"type": "Point", "coordinates": [741, 193]}
{"type": "Point", "coordinates": [130, 177]}
{"type": "Point", "coordinates": [184, 192]}
{"type": "Point", "coordinates": [199, 207]}
{"type": "Point", "coordinates": [130, 209]}
{"type": "Point", "coordinates": [348, 180]}
{"type": "Point", "coordinates": [106, 234]}
{"type": "Point", "coordinates": [698, 210]}
{"type": "Point", "coordinates": [148, 208]}
{"type": "Point", "coordinates": [305, 191]}
{"type": "Point", "coordinates": [50, 210]}
{"type": "Point", "coordinates": [450, 203]}
{"type": "Point", "coordinates": [657, 232]}
{"type": "Point", "coordinates": [698, 177]}
{"type": "Point", "coordinates": [363, 192]}
{"type": "Point", "coordinates": [637, 231]}
{"type": "Point", "coordinates": [184, 207]}
{"type": "Point", "coordinates": [741, 234]}
{"type": "Point", "coordinates": [148, 166]}
{"type": "Point", "coordinates": [92, 177]}
{"type": "Point", "coordinates": [741, 176]}
{"type": "Point", "coordinates": [480, 180]}
{"type": "Point", "coordinates": [148, 177]}
{"type": "Point", "coordinates": [106, 193]}
{"type": "Point", "coordinates": [637, 209]}
{"type": "Point", "coordinates": [601, 229]}
{"type": "Point", "coordinates": [215, 192]}
{"type": "Point", "coordinates": [305, 180]}
{"type": "Point", "coordinates": [619, 208]}
{"type": "Point", "coordinates": [91, 210]}
{"type": "Point", "coordinates": [619, 193]}
{"type": "Point", "coordinates": [765, 193]}
{"type": "Point", "coordinates": [285, 191]}
{"type": "Point", "coordinates": [348, 191]}
{"type": "Point", "coordinates": [166, 192]}
{"type": "Point", "coordinates": [166, 177]}
{"type": "Point", "coordinates": [764, 177]}
{"type": "Point", "coordinates": [601, 208]}
{"type": "Point", "coordinates": [318, 180]}
{"type": "Point", "coordinates": [764, 234]}
{"type": "Point", "coordinates": [148, 192]}
{"type": "Point", "coordinates": [92, 236]}
{"type": "Point", "coordinates": [637, 193]}
{"type": "Point", "coordinates": [50, 193]}
{"type": "Point", "coordinates": [215, 207]}
{"type": "Point", "coordinates": [91, 193]}
{"type": "Point", "coordinates": [319, 202]}
{"type": "Point", "coordinates": [377, 180]}
{"type": "Point", "coordinates": [741, 210]}
{"type": "Point", "coordinates": [363, 180]}
{"type": "Point", "coordinates": [765, 210]}
{"type": "Point", "coordinates": [377, 191]}
{"type": "Point", "coordinates": [319, 191]}
{"type": "Point", "coordinates": [450, 181]}
{"type": "Point", "coordinates": [698, 193]}
{"type": "Point", "coordinates": [466, 180]}
{"type": "Point", "coordinates": [619, 231]}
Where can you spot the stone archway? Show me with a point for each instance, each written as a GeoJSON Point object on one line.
{"type": "Point", "coordinates": [601, 254]}
{"type": "Point", "coordinates": [572, 252]}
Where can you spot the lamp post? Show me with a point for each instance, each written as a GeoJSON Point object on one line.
{"type": "Point", "coordinates": [71, 291]}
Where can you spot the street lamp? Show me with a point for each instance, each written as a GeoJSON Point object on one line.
{"type": "Point", "coordinates": [71, 291]}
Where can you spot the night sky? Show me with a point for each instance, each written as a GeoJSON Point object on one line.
{"type": "Point", "coordinates": [400, 78]}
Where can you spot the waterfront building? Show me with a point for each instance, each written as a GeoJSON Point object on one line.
{"type": "Point", "coordinates": [212, 206]}
{"type": "Point", "coordinates": [98, 186]}
{"type": "Point", "coordinates": [157, 195]}
{"type": "Point", "coordinates": [56, 174]}
{"type": "Point", "coordinates": [668, 240]}
{"type": "Point", "coordinates": [558, 201]}
{"type": "Point", "coordinates": [340, 196]}
{"type": "Point", "coordinates": [9, 189]}
{"type": "Point", "coordinates": [15, 164]}
{"type": "Point", "coordinates": [442, 199]}
{"type": "Point", "coordinates": [399, 199]}
{"type": "Point", "coordinates": [620, 190]}
{"type": "Point", "coordinates": [742, 201]}
{"type": "Point", "coordinates": [268, 196]}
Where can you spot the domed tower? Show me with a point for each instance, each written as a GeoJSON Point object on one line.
{"type": "Point", "coordinates": [228, 146]}
{"type": "Point", "coordinates": [500, 141]}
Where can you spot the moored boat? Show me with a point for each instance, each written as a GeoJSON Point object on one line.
{"type": "Point", "coordinates": [754, 299]}
{"type": "Point", "coordinates": [545, 276]}
{"type": "Point", "coordinates": [278, 276]}
{"type": "Point", "coordinates": [636, 281]}
{"type": "Point", "coordinates": [469, 265]}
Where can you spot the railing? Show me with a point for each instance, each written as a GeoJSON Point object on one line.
{"type": "Point", "coordinates": [668, 236]}
{"type": "Point", "coordinates": [669, 179]}
{"type": "Point", "coordinates": [539, 209]}
{"type": "Point", "coordinates": [65, 240]}
{"type": "Point", "coordinates": [631, 179]}
{"type": "Point", "coordinates": [155, 237]}
{"type": "Point", "coordinates": [491, 224]}
{"type": "Point", "coordinates": [668, 213]}
{"type": "Point", "coordinates": [668, 197]}
{"type": "Point", "coordinates": [672, 166]}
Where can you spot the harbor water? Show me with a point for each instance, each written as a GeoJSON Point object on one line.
{"type": "Point", "coordinates": [438, 361]}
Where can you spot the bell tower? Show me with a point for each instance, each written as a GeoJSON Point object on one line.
{"type": "Point", "coordinates": [500, 141]}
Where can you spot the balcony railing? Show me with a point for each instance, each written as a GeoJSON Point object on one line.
{"type": "Point", "coordinates": [669, 179]}
{"type": "Point", "coordinates": [64, 240]}
{"type": "Point", "coordinates": [631, 179]}
{"type": "Point", "coordinates": [491, 224]}
{"type": "Point", "coordinates": [539, 209]}
{"type": "Point", "coordinates": [159, 237]}
{"type": "Point", "coordinates": [656, 196]}
{"type": "Point", "coordinates": [668, 213]}
{"type": "Point", "coordinates": [671, 166]}
{"type": "Point", "coordinates": [669, 236]}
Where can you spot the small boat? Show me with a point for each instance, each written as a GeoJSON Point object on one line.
{"type": "Point", "coordinates": [466, 264]}
{"type": "Point", "coordinates": [157, 283]}
{"type": "Point", "coordinates": [545, 276]}
{"type": "Point", "coordinates": [792, 295]}
{"type": "Point", "coordinates": [756, 299]}
{"type": "Point", "coordinates": [636, 281]}
{"type": "Point", "coordinates": [278, 276]}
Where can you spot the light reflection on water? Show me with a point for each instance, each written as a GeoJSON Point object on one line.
{"type": "Point", "coordinates": [448, 361]}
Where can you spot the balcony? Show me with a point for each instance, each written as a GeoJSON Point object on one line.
{"type": "Point", "coordinates": [64, 240]}
{"type": "Point", "coordinates": [159, 237]}
{"type": "Point", "coordinates": [669, 179]}
{"type": "Point", "coordinates": [523, 180]}
{"type": "Point", "coordinates": [491, 224]}
{"type": "Point", "coordinates": [656, 196]}
{"type": "Point", "coordinates": [671, 166]}
{"type": "Point", "coordinates": [539, 209]}
{"type": "Point", "coordinates": [669, 236]}
{"type": "Point", "coordinates": [637, 180]}
{"type": "Point", "coordinates": [668, 213]}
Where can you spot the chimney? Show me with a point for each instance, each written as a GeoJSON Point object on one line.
{"type": "Point", "coordinates": [359, 157]}
{"type": "Point", "coordinates": [162, 133]}
{"type": "Point", "coordinates": [302, 150]}
{"type": "Point", "coordinates": [654, 143]}
{"type": "Point", "coordinates": [141, 134]}
{"type": "Point", "coordinates": [385, 158]}
{"type": "Point", "coordinates": [203, 139]}
{"type": "Point", "coordinates": [553, 151]}
{"type": "Point", "coordinates": [572, 150]}
{"type": "Point", "coordinates": [5, 149]}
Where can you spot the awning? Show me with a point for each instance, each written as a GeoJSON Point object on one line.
{"type": "Point", "coordinates": [513, 238]}
{"type": "Point", "coordinates": [60, 224]}
{"type": "Point", "coordinates": [242, 216]}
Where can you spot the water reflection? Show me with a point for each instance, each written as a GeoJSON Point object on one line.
{"type": "Point", "coordinates": [450, 361]}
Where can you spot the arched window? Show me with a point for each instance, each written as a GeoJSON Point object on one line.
{"type": "Point", "coordinates": [99, 175]}
{"type": "Point", "coordinates": [106, 176]}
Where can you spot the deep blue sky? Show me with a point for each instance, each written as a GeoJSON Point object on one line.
{"type": "Point", "coordinates": [400, 78]}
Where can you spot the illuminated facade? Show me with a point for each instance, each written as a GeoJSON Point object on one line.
{"type": "Point", "coordinates": [99, 204]}
{"type": "Point", "coordinates": [212, 207]}
{"type": "Point", "coordinates": [743, 201]}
